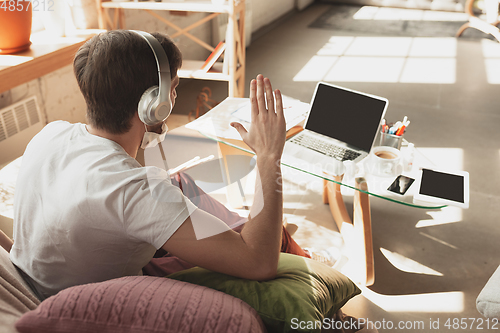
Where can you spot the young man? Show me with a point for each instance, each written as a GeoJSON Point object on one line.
{"type": "Point", "coordinates": [84, 211]}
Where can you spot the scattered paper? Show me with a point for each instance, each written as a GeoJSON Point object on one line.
{"type": "Point", "coordinates": [217, 121]}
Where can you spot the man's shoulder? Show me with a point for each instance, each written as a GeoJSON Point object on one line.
{"type": "Point", "coordinates": [59, 125]}
{"type": "Point", "coordinates": [52, 131]}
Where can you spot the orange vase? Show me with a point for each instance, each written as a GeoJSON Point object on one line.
{"type": "Point", "coordinates": [15, 26]}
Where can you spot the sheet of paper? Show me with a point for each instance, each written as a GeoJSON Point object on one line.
{"type": "Point", "coordinates": [216, 122]}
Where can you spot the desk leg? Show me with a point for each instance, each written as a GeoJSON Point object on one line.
{"type": "Point", "coordinates": [358, 234]}
{"type": "Point", "coordinates": [234, 190]}
{"type": "Point", "coordinates": [333, 196]}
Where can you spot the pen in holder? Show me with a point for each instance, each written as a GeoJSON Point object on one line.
{"type": "Point", "coordinates": [391, 140]}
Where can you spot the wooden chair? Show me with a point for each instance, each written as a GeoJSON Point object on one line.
{"type": "Point", "coordinates": [477, 23]}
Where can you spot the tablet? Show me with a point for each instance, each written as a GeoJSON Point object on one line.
{"type": "Point", "coordinates": [444, 187]}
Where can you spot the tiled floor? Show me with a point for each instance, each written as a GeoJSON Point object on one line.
{"type": "Point", "coordinates": [449, 89]}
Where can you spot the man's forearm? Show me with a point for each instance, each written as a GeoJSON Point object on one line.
{"type": "Point", "coordinates": [266, 137]}
{"type": "Point", "coordinates": [262, 233]}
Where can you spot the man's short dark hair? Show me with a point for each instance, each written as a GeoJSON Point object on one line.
{"type": "Point", "coordinates": [113, 70]}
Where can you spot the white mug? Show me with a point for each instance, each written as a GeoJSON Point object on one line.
{"type": "Point", "coordinates": [384, 161]}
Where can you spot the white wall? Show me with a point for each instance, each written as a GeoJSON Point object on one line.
{"type": "Point", "coordinates": [57, 93]}
{"type": "Point", "coordinates": [266, 11]}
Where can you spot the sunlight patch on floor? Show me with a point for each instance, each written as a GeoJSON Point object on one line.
{"type": "Point", "coordinates": [314, 69]}
{"type": "Point", "coordinates": [310, 234]}
{"type": "Point", "coordinates": [492, 70]}
{"type": "Point", "coordinates": [445, 215]}
{"type": "Point", "coordinates": [440, 241]}
{"type": "Point", "coordinates": [444, 302]}
{"type": "Point", "coordinates": [383, 59]}
{"type": "Point", "coordinates": [301, 191]}
{"type": "Point", "coordinates": [491, 54]}
{"type": "Point", "coordinates": [366, 69]}
{"type": "Point", "coordinates": [443, 158]}
{"type": "Point", "coordinates": [403, 14]}
{"type": "Point", "coordinates": [433, 47]}
{"type": "Point", "coordinates": [379, 47]}
{"type": "Point", "coordinates": [408, 265]}
{"type": "Point", "coordinates": [429, 70]}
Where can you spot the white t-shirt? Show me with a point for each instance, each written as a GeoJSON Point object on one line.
{"type": "Point", "coordinates": [84, 210]}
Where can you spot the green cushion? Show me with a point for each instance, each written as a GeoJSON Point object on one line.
{"type": "Point", "coordinates": [304, 291]}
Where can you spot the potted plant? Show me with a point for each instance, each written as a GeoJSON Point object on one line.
{"type": "Point", "coordinates": [15, 25]}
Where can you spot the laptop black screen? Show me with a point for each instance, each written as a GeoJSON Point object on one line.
{"type": "Point", "coordinates": [346, 116]}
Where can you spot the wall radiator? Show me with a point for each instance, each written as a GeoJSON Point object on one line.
{"type": "Point", "coordinates": [19, 122]}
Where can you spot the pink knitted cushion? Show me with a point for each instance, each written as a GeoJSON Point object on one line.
{"type": "Point", "coordinates": [141, 304]}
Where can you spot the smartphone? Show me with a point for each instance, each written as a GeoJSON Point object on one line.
{"type": "Point", "coordinates": [401, 184]}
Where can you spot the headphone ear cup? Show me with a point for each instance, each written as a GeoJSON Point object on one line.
{"type": "Point", "coordinates": [147, 106]}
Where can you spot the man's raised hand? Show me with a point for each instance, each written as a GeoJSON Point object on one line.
{"type": "Point", "coordinates": [267, 134]}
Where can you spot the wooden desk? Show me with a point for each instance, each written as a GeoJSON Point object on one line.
{"type": "Point", "coordinates": [357, 233]}
{"type": "Point", "coordinates": [46, 54]}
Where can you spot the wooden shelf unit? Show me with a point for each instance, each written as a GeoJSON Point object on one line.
{"type": "Point", "coordinates": [234, 55]}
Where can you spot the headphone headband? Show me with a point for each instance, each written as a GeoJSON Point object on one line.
{"type": "Point", "coordinates": [155, 105]}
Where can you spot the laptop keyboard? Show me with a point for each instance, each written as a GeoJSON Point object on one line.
{"type": "Point", "coordinates": [328, 149]}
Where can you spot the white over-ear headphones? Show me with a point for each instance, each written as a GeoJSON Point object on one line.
{"type": "Point", "coordinates": [155, 105]}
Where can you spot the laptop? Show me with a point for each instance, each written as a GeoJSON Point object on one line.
{"type": "Point", "coordinates": [341, 126]}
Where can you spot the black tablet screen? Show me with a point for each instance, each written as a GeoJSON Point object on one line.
{"type": "Point", "coordinates": [442, 185]}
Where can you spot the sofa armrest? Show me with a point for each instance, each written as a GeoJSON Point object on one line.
{"type": "Point", "coordinates": [488, 301]}
{"type": "Point", "coordinates": [15, 297]}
